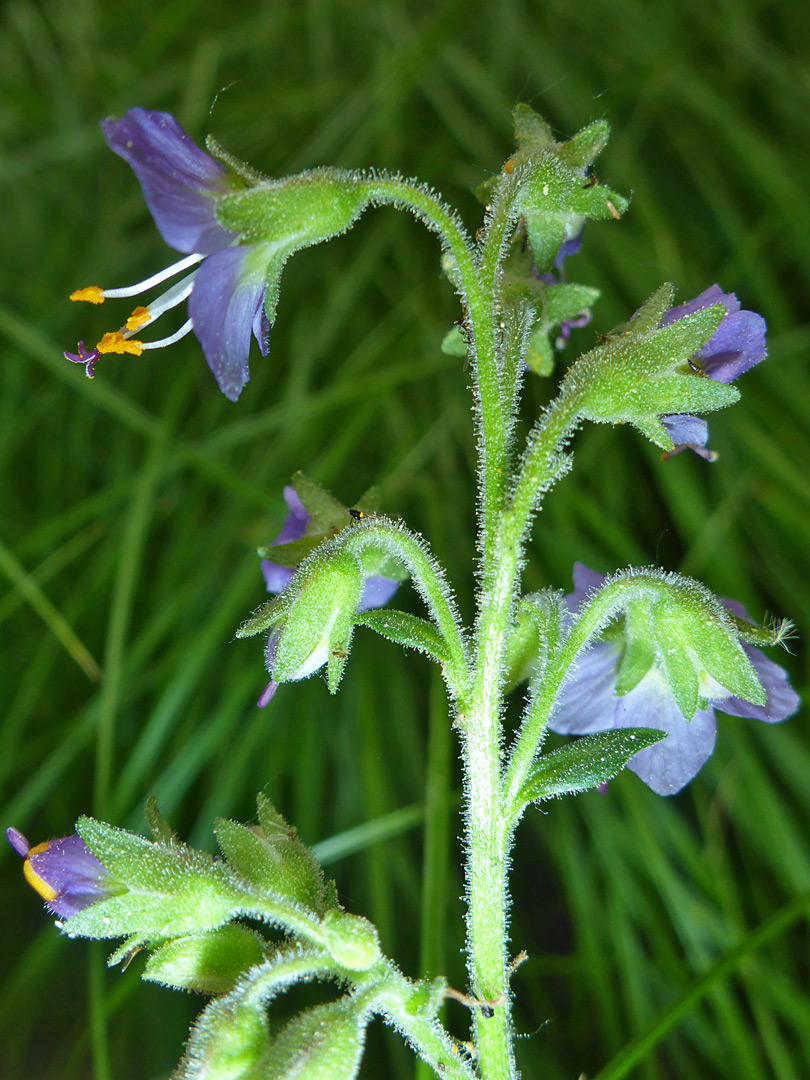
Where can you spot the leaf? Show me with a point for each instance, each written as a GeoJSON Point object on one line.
{"type": "Point", "coordinates": [405, 629]}
{"type": "Point", "coordinates": [453, 343]}
{"type": "Point", "coordinates": [275, 860]}
{"type": "Point", "coordinates": [586, 763]}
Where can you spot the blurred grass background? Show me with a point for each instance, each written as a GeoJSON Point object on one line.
{"type": "Point", "coordinates": [132, 505]}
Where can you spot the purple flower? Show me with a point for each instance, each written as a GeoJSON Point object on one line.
{"type": "Point", "coordinates": [226, 292]}
{"type": "Point", "coordinates": [64, 872]}
{"type": "Point", "coordinates": [737, 345]}
{"type": "Point", "coordinates": [377, 590]}
{"type": "Point", "coordinates": [556, 276]}
{"type": "Point", "coordinates": [589, 702]}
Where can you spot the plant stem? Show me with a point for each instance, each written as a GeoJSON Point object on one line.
{"type": "Point", "coordinates": [504, 529]}
{"type": "Point", "coordinates": [486, 824]}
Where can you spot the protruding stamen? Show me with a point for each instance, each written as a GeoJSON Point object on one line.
{"type": "Point", "coordinates": [84, 356]}
{"type": "Point", "coordinates": [170, 340]}
{"type": "Point", "coordinates": [141, 316]}
{"type": "Point", "coordinates": [92, 294]}
{"type": "Point", "coordinates": [123, 340]}
{"type": "Point", "coordinates": [117, 343]}
{"type": "Point", "coordinates": [155, 279]}
{"type": "Point", "coordinates": [45, 890]}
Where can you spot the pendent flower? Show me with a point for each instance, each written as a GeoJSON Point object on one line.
{"type": "Point", "coordinates": [595, 699]}
{"type": "Point", "coordinates": [737, 345]}
{"type": "Point", "coordinates": [65, 873]}
{"type": "Point", "coordinates": [376, 590]}
{"type": "Point", "coordinates": [221, 279]}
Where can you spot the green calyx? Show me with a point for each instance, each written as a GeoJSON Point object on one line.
{"type": "Point", "coordinates": [320, 604]}
{"type": "Point", "coordinates": [280, 217]}
{"type": "Point", "coordinates": [297, 211]}
{"type": "Point", "coordinates": [209, 963]}
{"type": "Point", "coordinates": [555, 193]}
{"type": "Point", "coordinates": [677, 625]}
{"type": "Point", "coordinates": [642, 371]}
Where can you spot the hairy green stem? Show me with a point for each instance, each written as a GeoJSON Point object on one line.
{"type": "Point", "coordinates": [592, 619]}
{"type": "Point", "coordinates": [427, 576]}
{"type": "Point", "coordinates": [487, 826]}
{"type": "Point", "coordinates": [475, 284]}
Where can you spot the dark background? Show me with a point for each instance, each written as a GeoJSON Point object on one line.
{"type": "Point", "coordinates": [132, 504]}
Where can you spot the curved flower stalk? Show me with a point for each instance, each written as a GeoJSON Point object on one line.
{"type": "Point", "coordinates": [594, 699]}
{"type": "Point", "coordinates": [737, 345]}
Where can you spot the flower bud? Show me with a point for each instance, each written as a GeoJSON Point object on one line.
{"type": "Point", "coordinates": [65, 873]}
{"type": "Point", "coordinates": [271, 856]}
{"type": "Point", "coordinates": [323, 1043]}
{"type": "Point", "coordinates": [352, 940]}
{"type": "Point", "coordinates": [206, 963]}
{"type": "Point", "coordinates": [319, 619]}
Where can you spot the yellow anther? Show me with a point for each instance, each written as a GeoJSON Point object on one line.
{"type": "Point", "coordinates": [46, 891]}
{"type": "Point", "coordinates": [117, 343]}
{"type": "Point", "coordinates": [138, 317]}
{"type": "Point", "coordinates": [91, 295]}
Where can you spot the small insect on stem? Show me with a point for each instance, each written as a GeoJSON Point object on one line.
{"type": "Point", "coordinates": [592, 181]}
{"type": "Point", "coordinates": [362, 515]}
{"type": "Point", "coordinates": [698, 370]}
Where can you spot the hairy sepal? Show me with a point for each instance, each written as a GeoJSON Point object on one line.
{"type": "Point", "coordinates": [637, 376]}
{"type": "Point", "coordinates": [323, 1043]}
{"type": "Point", "coordinates": [271, 856]}
{"type": "Point", "coordinates": [280, 217]}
